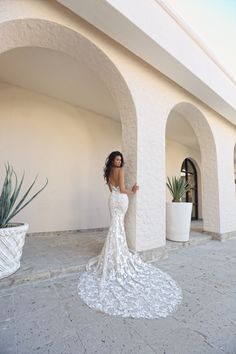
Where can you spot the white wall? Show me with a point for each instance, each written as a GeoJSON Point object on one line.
{"type": "Point", "coordinates": [153, 97]}
{"type": "Point", "coordinates": [67, 145]}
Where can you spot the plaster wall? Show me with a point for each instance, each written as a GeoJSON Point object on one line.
{"type": "Point", "coordinates": [154, 97]}
{"type": "Point", "coordinates": [177, 38]}
{"type": "Point", "coordinates": [64, 143]}
{"type": "Point", "coordinates": [167, 43]}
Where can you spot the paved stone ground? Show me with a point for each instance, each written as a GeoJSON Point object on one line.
{"type": "Point", "coordinates": [47, 255]}
{"type": "Point", "coordinates": [45, 315]}
{"type": "Point", "coordinates": [51, 254]}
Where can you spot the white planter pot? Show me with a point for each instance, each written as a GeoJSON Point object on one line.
{"type": "Point", "coordinates": [12, 240]}
{"type": "Point", "coordinates": [178, 220]}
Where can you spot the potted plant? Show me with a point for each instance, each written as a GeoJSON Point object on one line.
{"type": "Point", "coordinates": [12, 235]}
{"type": "Point", "coordinates": [178, 213]}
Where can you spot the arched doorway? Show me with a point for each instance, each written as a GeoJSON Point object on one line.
{"type": "Point", "coordinates": [189, 173]}
{"type": "Point", "coordinates": [188, 133]}
{"type": "Point", "coordinates": [45, 35]}
{"type": "Point", "coordinates": [235, 166]}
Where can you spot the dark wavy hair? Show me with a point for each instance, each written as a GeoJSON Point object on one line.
{"type": "Point", "coordinates": [109, 164]}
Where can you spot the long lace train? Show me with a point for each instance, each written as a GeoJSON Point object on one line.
{"type": "Point", "coordinates": [119, 283]}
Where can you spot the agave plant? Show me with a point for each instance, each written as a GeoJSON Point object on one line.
{"type": "Point", "coordinates": [9, 206]}
{"type": "Point", "coordinates": [178, 187]}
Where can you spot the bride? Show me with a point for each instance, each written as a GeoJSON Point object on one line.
{"type": "Point", "coordinates": [118, 282]}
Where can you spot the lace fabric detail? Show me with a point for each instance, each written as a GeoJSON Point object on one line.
{"type": "Point", "coordinates": [119, 283]}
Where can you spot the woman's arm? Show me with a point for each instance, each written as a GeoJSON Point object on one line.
{"type": "Point", "coordinates": [122, 184]}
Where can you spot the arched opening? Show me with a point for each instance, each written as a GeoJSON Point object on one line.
{"type": "Point", "coordinates": [190, 151]}
{"type": "Point", "coordinates": [235, 166]}
{"type": "Point", "coordinates": [71, 108]}
{"type": "Point", "coordinates": [189, 173]}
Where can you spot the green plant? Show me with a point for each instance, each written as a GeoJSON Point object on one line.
{"type": "Point", "coordinates": [178, 187]}
{"type": "Point", "coordinates": [9, 195]}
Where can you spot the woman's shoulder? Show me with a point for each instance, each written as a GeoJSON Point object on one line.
{"type": "Point", "coordinates": [117, 169]}
{"type": "Point", "coordinates": [121, 171]}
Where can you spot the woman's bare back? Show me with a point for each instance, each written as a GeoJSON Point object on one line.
{"type": "Point", "coordinates": [114, 177]}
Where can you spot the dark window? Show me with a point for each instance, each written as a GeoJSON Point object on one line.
{"type": "Point", "coordinates": [189, 172]}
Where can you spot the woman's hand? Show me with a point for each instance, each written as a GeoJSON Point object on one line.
{"type": "Point", "coordinates": [135, 188]}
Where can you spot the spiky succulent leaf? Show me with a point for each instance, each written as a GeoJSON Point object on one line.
{"type": "Point", "coordinates": [9, 196]}
{"type": "Point", "coordinates": [177, 187]}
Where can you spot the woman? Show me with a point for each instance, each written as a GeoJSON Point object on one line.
{"type": "Point", "coordinates": [118, 282]}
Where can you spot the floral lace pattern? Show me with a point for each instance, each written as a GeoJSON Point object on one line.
{"type": "Point", "coordinates": [119, 283]}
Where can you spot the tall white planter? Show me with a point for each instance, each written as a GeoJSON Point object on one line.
{"type": "Point", "coordinates": [178, 220]}
{"type": "Point", "coordinates": [12, 240]}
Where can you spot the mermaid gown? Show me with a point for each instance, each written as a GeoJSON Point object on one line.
{"type": "Point", "coordinates": [118, 282]}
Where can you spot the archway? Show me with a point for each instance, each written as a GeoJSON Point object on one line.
{"type": "Point", "coordinates": [49, 35]}
{"type": "Point", "coordinates": [189, 173]}
{"type": "Point", "coordinates": [235, 166]}
{"type": "Point", "coordinates": [188, 128]}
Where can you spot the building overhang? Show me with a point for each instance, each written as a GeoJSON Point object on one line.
{"type": "Point", "coordinates": [154, 32]}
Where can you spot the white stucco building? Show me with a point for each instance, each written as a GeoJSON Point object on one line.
{"type": "Point", "coordinates": [79, 79]}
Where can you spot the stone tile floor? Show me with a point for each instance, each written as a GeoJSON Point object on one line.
{"type": "Point", "coordinates": [43, 314]}
{"type": "Point", "coordinates": [47, 255]}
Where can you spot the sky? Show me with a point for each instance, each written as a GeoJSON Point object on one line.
{"type": "Point", "coordinates": [215, 23]}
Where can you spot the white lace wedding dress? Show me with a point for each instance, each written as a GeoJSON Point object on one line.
{"type": "Point", "coordinates": [119, 283]}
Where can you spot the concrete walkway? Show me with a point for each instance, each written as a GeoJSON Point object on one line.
{"type": "Point", "coordinates": [48, 255]}
{"type": "Point", "coordinates": [40, 311]}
